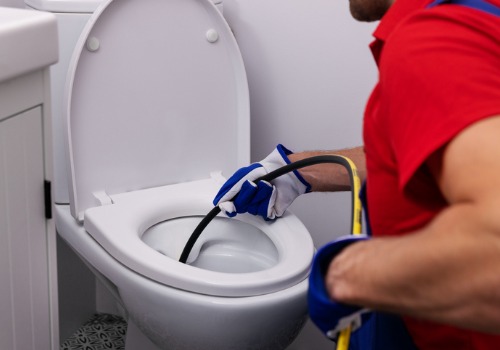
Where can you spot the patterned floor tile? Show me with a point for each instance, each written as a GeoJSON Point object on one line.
{"type": "Point", "coordinates": [101, 332]}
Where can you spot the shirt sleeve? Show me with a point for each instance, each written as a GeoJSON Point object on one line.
{"type": "Point", "coordinates": [439, 73]}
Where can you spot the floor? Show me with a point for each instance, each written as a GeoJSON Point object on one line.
{"type": "Point", "coordinates": [103, 331]}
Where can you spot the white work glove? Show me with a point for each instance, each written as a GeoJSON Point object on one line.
{"type": "Point", "coordinates": [240, 194]}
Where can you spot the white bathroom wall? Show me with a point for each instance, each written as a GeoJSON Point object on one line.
{"type": "Point", "coordinates": [310, 73]}
{"type": "Point", "coordinates": [12, 3]}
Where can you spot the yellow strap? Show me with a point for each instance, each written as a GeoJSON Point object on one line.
{"type": "Point", "coordinates": [345, 335]}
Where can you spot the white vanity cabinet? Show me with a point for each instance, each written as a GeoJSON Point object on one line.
{"type": "Point", "coordinates": [28, 278]}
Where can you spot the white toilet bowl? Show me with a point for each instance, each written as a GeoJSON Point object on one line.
{"type": "Point", "coordinates": [156, 101]}
{"type": "Point", "coordinates": [247, 292]}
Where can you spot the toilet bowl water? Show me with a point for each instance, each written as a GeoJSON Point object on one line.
{"type": "Point", "coordinates": [227, 245]}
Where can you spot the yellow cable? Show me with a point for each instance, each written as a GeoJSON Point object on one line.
{"type": "Point", "coordinates": [357, 208]}
{"type": "Point", "coordinates": [344, 338]}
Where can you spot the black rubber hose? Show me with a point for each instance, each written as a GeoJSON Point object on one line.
{"type": "Point", "coordinates": [268, 177]}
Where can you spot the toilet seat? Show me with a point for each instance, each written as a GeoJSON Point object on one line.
{"type": "Point", "coordinates": [118, 228]}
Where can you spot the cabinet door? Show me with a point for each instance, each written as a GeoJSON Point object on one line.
{"type": "Point", "coordinates": [24, 289]}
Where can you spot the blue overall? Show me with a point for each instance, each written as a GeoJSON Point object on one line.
{"type": "Point", "coordinates": [381, 331]}
{"type": "Point", "coordinates": [384, 331]}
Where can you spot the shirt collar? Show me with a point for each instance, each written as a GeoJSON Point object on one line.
{"type": "Point", "coordinates": [398, 11]}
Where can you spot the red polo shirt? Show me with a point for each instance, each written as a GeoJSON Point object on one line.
{"type": "Point", "coordinates": [439, 73]}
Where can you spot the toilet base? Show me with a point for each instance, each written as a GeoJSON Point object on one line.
{"type": "Point", "coordinates": [136, 339]}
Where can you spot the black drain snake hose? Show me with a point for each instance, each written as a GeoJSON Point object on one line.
{"type": "Point", "coordinates": [336, 159]}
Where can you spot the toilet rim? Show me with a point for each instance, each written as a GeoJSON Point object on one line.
{"type": "Point", "coordinates": [135, 212]}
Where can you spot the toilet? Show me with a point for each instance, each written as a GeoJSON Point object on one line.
{"type": "Point", "coordinates": [155, 113]}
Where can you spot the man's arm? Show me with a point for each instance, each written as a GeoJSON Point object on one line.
{"type": "Point", "coordinates": [449, 271]}
{"type": "Point", "coordinates": [331, 177]}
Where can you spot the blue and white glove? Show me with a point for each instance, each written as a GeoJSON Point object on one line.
{"type": "Point", "coordinates": [240, 194]}
{"type": "Point", "coordinates": [328, 315]}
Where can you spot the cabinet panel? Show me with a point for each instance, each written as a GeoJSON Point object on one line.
{"type": "Point", "coordinates": [24, 290]}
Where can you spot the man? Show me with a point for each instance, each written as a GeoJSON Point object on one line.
{"type": "Point", "coordinates": [431, 159]}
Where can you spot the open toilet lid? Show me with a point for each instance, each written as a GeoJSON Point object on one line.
{"type": "Point", "coordinates": [156, 94]}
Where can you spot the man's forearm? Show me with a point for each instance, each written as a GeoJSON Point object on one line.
{"type": "Point", "coordinates": [447, 272]}
{"type": "Point", "coordinates": [331, 177]}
